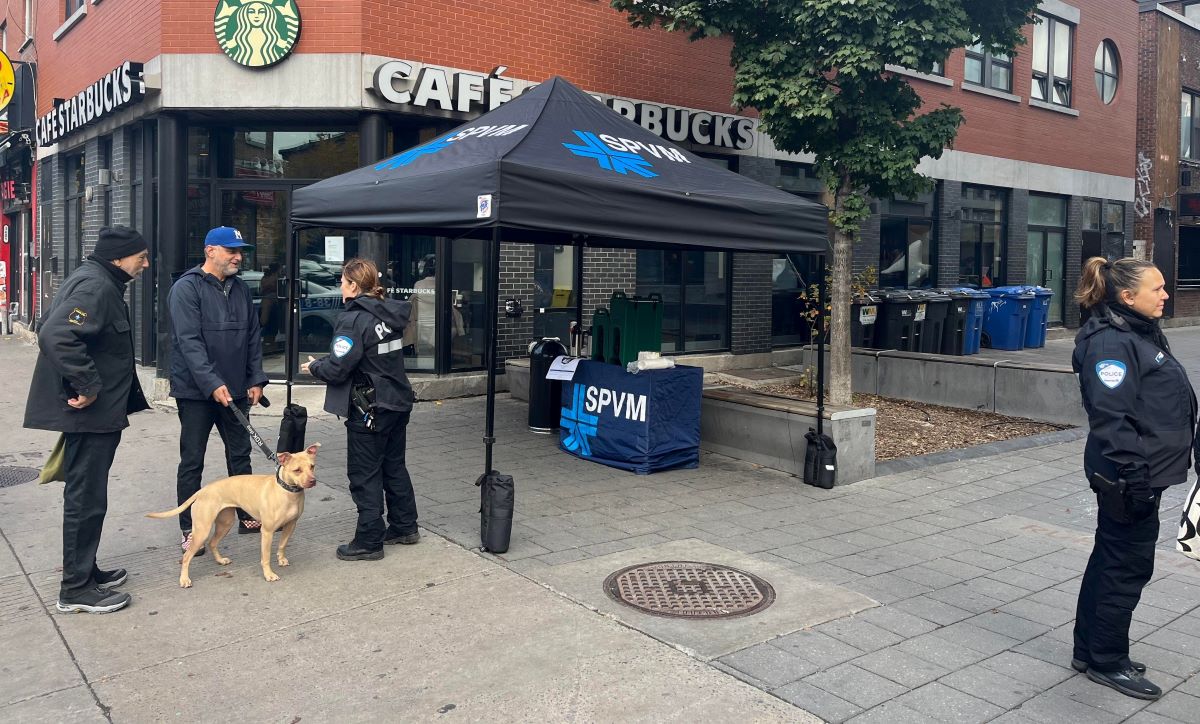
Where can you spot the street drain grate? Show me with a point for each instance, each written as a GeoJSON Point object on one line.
{"type": "Point", "coordinates": [687, 589]}
{"type": "Point", "coordinates": [10, 476]}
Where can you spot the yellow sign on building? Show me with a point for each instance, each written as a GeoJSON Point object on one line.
{"type": "Point", "coordinates": [8, 81]}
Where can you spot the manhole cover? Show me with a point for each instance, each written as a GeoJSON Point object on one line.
{"type": "Point", "coordinates": [15, 476]}
{"type": "Point", "coordinates": [687, 589]}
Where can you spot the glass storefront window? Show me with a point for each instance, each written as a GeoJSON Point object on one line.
{"type": "Point", "coordinates": [292, 154]}
{"type": "Point", "coordinates": [553, 290]}
{"type": "Point", "coordinates": [694, 286]}
{"type": "Point", "coordinates": [1091, 215]}
{"type": "Point", "coordinates": [791, 276]}
{"type": "Point", "coordinates": [468, 304]}
{"type": "Point", "coordinates": [411, 273]}
{"type": "Point", "coordinates": [904, 253]}
{"type": "Point", "coordinates": [199, 153]}
{"type": "Point", "coordinates": [982, 247]}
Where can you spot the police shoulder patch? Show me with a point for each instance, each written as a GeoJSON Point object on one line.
{"type": "Point", "coordinates": [342, 346]}
{"type": "Point", "coordinates": [77, 317]}
{"type": "Point", "coordinates": [1111, 373]}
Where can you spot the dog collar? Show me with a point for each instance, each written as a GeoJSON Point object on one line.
{"type": "Point", "coordinates": [286, 486]}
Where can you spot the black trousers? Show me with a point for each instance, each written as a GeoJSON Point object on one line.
{"type": "Point", "coordinates": [377, 473]}
{"type": "Point", "coordinates": [87, 459]}
{"type": "Point", "coordinates": [1120, 567]}
{"type": "Point", "coordinates": [196, 420]}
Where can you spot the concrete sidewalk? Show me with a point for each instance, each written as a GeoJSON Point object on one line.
{"type": "Point", "coordinates": [944, 593]}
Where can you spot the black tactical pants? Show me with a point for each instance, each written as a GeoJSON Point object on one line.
{"type": "Point", "coordinates": [377, 473]}
{"type": "Point", "coordinates": [87, 457]}
{"type": "Point", "coordinates": [1120, 567]}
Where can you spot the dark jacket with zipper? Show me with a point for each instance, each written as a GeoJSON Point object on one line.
{"type": "Point", "coordinates": [367, 342]}
{"type": "Point", "coordinates": [86, 348]}
{"type": "Point", "coordinates": [215, 337]}
{"type": "Point", "coordinates": [1140, 404]}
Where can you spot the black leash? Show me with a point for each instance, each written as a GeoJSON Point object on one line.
{"type": "Point", "coordinates": [254, 436]}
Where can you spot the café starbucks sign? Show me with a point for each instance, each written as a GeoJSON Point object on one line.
{"type": "Point", "coordinates": [257, 33]}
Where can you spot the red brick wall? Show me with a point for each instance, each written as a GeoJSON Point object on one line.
{"type": "Point", "coordinates": [1101, 139]}
{"type": "Point", "coordinates": [110, 34]}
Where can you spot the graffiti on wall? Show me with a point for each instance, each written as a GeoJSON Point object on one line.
{"type": "Point", "coordinates": [1141, 203]}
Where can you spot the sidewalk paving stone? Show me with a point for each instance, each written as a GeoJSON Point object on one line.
{"type": "Point", "coordinates": [993, 687]}
{"type": "Point", "coordinates": [856, 685]}
{"type": "Point", "coordinates": [943, 703]}
{"type": "Point", "coordinates": [818, 701]}
{"type": "Point", "coordinates": [903, 668]}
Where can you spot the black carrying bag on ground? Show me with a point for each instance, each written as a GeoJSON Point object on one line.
{"type": "Point", "coordinates": [497, 494]}
{"type": "Point", "coordinates": [292, 429]}
{"type": "Point", "coordinates": [820, 460]}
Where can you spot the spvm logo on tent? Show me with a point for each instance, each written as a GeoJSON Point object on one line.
{"type": "Point", "coordinates": [441, 144]}
{"type": "Point", "coordinates": [622, 155]}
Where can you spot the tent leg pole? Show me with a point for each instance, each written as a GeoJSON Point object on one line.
{"type": "Point", "coordinates": [821, 346]}
{"type": "Point", "coordinates": [492, 311]}
{"type": "Point", "coordinates": [579, 296]}
{"type": "Point", "coordinates": [292, 343]}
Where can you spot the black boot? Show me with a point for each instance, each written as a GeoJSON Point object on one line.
{"type": "Point", "coordinates": [351, 552]}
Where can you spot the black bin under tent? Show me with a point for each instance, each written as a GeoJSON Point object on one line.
{"type": "Point", "coordinates": [557, 166]}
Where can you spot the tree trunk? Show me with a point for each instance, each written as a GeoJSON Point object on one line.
{"type": "Point", "coordinates": [839, 301]}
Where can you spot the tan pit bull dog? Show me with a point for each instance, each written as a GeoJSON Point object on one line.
{"type": "Point", "coordinates": [275, 500]}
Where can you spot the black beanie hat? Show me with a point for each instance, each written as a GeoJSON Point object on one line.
{"type": "Point", "coordinates": [118, 242]}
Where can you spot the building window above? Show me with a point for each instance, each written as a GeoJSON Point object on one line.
{"type": "Point", "coordinates": [1052, 61]}
{"type": "Point", "coordinates": [1108, 71]}
{"type": "Point", "coordinates": [1189, 135]}
{"type": "Point", "coordinates": [73, 5]}
{"type": "Point", "coordinates": [987, 69]}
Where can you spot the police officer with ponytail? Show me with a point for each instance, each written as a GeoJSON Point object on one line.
{"type": "Point", "coordinates": [367, 385]}
{"type": "Point", "coordinates": [1142, 423]}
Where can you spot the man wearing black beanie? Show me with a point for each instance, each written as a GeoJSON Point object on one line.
{"type": "Point", "coordinates": [85, 386]}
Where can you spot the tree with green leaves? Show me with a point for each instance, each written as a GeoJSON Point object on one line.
{"type": "Point", "coordinates": [817, 73]}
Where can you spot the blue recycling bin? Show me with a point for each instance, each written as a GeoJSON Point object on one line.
{"type": "Point", "coordinates": [973, 324]}
{"type": "Point", "coordinates": [1006, 317]}
{"type": "Point", "coordinates": [1039, 316]}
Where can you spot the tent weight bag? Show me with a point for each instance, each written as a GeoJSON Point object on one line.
{"type": "Point", "coordinates": [820, 460]}
{"type": "Point", "coordinates": [496, 496]}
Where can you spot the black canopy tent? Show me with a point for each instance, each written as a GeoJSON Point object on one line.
{"type": "Point", "coordinates": [557, 166]}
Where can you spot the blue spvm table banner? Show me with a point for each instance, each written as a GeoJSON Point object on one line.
{"type": "Point", "coordinates": [644, 422]}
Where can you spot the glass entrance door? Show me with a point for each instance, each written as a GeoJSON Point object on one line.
{"type": "Point", "coordinates": [1046, 264]}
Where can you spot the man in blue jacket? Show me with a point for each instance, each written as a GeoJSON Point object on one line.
{"type": "Point", "coordinates": [216, 361]}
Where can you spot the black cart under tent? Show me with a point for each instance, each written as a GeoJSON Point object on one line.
{"type": "Point", "coordinates": [555, 165]}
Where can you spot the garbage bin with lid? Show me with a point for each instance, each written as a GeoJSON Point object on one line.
{"type": "Point", "coordinates": [545, 396]}
{"type": "Point", "coordinates": [973, 323]}
{"type": "Point", "coordinates": [864, 313]}
{"type": "Point", "coordinates": [1039, 316]}
{"type": "Point", "coordinates": [955, 330]}
{"type": "Point", "coordinates": [1006, 317]}
{"type": "Point", "coordinates": [937, 306]}
{"type": "Point", "coordinates": [901, 322]}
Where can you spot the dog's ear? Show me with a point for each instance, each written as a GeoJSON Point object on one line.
{"type": "Point", "coordinates": [312, 449]}
{"type": "Point", "coordinates": [283, 457]}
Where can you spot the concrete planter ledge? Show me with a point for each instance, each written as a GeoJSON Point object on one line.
{"type": "Point", "coordinates": [769, 430]}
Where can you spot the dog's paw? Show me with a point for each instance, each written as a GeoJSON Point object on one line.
{"type": "Point", "coordinates": [270, 576]}
{"type": "Point", "coordinates": [282, 561]}
{"type": "Point", "coordinates": [222, 561]}
{"type": "Point", "coordinates": [185, 582]}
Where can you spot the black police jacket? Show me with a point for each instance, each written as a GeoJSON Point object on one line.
{"type": "Point", "coordinates": [367, 341]}
{"type": "Point", "coordinates": [1140, 404]}
{"type": "Point", "coordinates": [86, 348]}
{"type": "Point", "coordinates": [215, 337]}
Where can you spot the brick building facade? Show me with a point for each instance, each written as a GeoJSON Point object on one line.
{"type": "Point", "coordinates": [204, 140]}
{"type": "Point", "coordinates": [1167, 204]}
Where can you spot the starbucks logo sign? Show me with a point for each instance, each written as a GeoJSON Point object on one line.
{"type": "Point", "coordinates": [257, 33]}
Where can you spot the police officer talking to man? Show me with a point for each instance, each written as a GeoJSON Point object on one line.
{"type": "Point", "coordinates": [216, 361]}
{"type": "Point", "coordinates": [1142, 421]}
{"type": "Point", "coordinates": [367, 385]}
{"type": "Point", "coordinates": [85, 386]}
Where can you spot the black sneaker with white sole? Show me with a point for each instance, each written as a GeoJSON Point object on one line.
{"type": "Point", "coordinates": [110, 579]}
{"type": "Point", "coordinates": [1128, 681]}
{"type": "Point", "coordinates": [95, 600]}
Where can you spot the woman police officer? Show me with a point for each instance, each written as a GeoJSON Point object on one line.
{"type": "Point", "coordinates": [1142, 419]}
{"type": "Point", "coordinates": [368, 386]}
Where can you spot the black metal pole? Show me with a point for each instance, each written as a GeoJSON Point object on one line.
{"type": "Point", "coordinates": [292, 344]}
{"type": "Point", "coordinates": [821, 346]}
{"type": "Point", "coordinates": [492, 312]}
{"type": "Point", "coordinates": [580, 250]}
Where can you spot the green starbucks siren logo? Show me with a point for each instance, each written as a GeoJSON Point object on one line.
{"type": "Point", "coordinates": [257, 33]}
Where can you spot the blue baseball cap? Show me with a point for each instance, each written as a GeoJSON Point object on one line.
{"type": "Point", "coordinates": [226, 236]}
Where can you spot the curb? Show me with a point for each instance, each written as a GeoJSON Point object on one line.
{"type": "Point", "coordinates": [918, 462]}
